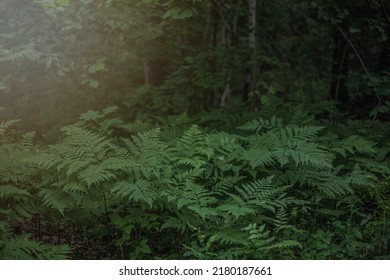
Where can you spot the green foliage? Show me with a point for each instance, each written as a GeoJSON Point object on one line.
{"type": "Point", "coordinates": [291, 178]}
{"type": "Point", "coordinates": [21, 248]}
{"type": "Point", "coordinates": [269, 189]}
{"type": "Point", "coordinates": [17, 199]}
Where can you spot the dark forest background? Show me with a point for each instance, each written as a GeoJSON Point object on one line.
{"type": "Point", "coordinates": [189, 129]}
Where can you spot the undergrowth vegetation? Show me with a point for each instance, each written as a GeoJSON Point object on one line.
{"type": "Point", "coordinates": [281, 184]}
{"type": "Point", "coordinates": [188, 129]}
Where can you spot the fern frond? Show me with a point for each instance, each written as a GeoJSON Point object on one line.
{"type": "Point", "coordinates": [236, 210]}
{"type": "Point", "coordinates": [356, 143]}
{"type": "Point", "coordinates": [140, 191]}
{"type": "Point", "coordinates": [304, 154]}
{"type": "Point", "coordinates": [229, 236]}
{"type": "Point", "coordinates": [203, 212]}
{"type": "Point", "coordinates": [10, 191]}
{"type": "Point", "coordinates": [56, 199]}
{"type": "Point", "coordinates": [261, 150]}
{"type": "Point", "coordinates": [193, 142]}
{"type": "Point", "coordinates": [302, 133]}
{"type": "Point", "coordinates": [193, 194]}
{"type": "Point", "coordinates": [326, 181]}
{"type": "Point", "coordinates": [260, 157]}
{"type": "Point", "coordinates": [261, 124]}
{"type": "Point", "coordinates": [21, 248]}
{"type": "Point", "coordinates": [226, 185]}
{"type": "Point", "coordinates": [174, 223]}
{"type": "Point", "coordinates": [262, 193]}
{"type": "Point", "coordinates": [257, 190]}
{"type": "Point", "coordinates": [95, 174]}
{"type": "Point", "coordinates": [283, 245]}
{"type": "Point", "coordinates": [28, 139]}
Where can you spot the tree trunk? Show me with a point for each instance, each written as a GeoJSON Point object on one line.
{"type": "Point", "coordinates": [253, 44]}
{"type": "Point", "coordinates": [338, 87]}
{"type": "Point", "coordinates": [230, 42]}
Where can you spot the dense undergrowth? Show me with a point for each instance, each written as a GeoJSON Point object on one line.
{"type": "Point", "coordinates": [280, 183]}
{"type": "Point", "coordinates": [188, 129]}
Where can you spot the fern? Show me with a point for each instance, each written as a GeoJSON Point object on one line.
{"type": "Point", "coordinates": [281, 145]}
{"type": "Point", "coordinates": [236, 210]}
{"type": "Point", "coordinates": [228, 236]}
{"type": "Point", "coordinates": [356, 143]}
{"type": "Point", "coordinates": [193, 143]}
{"type": "Point", "coordinates": [140, 191]}
{"type": "Point", "coordinates": [174, 223]}
{"type": "Point", "coordinates": [261, 124]}
{"type": "Point", "coordinates": [261, 191]}
{"type": "Point", "coordinates": [304, 154]}
{"type": "Point", "coordinates": [9, 191]}
{"type": "Point", "coordinates": [328, 182]}
{"type": "Point", "coordinates": [20, 247]}
{"type": "Point", "coordinates": [57, 199]}
{"type": "Point", "coordinates": [283, 245]}
{"type": "Point", "coordinates": [96, 175]}
{"type": "Point", "coordinates": [148, 153]}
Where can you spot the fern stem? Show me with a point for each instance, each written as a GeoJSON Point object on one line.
{"type": "Point", "coordinates": [105, 203]}
{"type": "Point", "coordinates": [122, 254]}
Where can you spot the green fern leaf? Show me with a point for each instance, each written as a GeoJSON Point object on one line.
{"type": "Point", "coordinates": [174, 223]}
{"type": "Point", "coordinates": [13, 192]}
{"type": "Point", "coordinates": [96, 174]}
{"type": "Point", "coordinates": [140, 191]}
{"type": "Point", "coordinates": [230, 236]}
{"type": "Point", "coordinates": [56, 199]}
{"type": "Point", "coordinates": [283, 245]}
{"type": "Point", "coordinates": [235, 210]}
{"type": "Point", "coordinates": [261, 124]}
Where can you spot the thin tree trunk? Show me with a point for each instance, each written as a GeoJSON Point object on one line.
{"type": "Point", "coordinates": [214, 39]}
{"type": "Point", "coordinates": [253, 44]}
{"type": "Point", "coordinates": [230, 42]}
{"type": "Point", "coordinates": [338, 88]}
